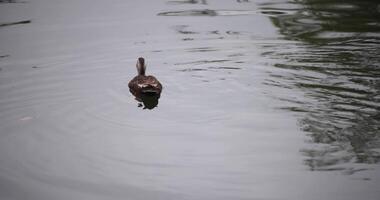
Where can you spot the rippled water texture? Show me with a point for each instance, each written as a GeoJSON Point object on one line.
{"type": "Point", "coordinates": [262, 100]}
{"type": "Point", "coordinates": [334, 62]}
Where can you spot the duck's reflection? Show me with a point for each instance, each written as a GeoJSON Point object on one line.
{"type": "Point", "coordinates": [147, 100]}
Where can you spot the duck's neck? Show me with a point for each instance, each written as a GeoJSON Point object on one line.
{"type": "Point", "coordinates": [140, 67]}
{"type": "Point", "coordinates": [141, 72]}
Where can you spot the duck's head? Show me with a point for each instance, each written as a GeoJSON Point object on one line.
{"type": "Point", "coordinates": [141, 66]}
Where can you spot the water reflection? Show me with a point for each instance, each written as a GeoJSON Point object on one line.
{"type": "Point", "coordinates": [331, 56]}
{"type": "Point", "coordinates": [207, 12]}
{"type": "Point", "coordinates": [204, 2]}
{"type": "Point", "coordinates": [147, 101]}
{"type": "Point", "coordinates": [8, 1]}
{"type": "Point", "coordinates": [188, 2]}
{"type": "Point", "coordinates": [15, 23]}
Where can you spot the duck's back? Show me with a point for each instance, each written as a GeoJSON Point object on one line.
{"type": "Point", "coordinates": [145, 84]}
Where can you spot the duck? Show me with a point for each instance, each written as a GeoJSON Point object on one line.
{"type": "Point", "coordinates": [143, 85]}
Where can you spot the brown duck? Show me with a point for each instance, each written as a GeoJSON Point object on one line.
{"type": "Point", "coordinates": [142, 85]}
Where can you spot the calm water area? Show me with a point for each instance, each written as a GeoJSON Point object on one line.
{"type": "Point", "coordinates": [261, 100]}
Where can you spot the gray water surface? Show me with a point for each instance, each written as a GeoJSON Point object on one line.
{"type": "Point", "coordinates": [262, 100]}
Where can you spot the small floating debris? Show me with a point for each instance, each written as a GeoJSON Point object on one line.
{"type": "Point", "coordinates": [16, 23]}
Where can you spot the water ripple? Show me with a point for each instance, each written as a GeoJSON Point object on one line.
{"type": "Point", "coordinates": [333, 60]}
{"type": "Point", "coordinates": [207, 12]}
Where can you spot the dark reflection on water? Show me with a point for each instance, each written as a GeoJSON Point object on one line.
{"type": "Point", "coordinates": [199, 2]}
{"type": "Point", "coordinates": [11, 23]}
{"type": "Point", "coordinates": [8, 1]}
{"type": "Point", "coordinates": [190, 35]}
{"type": "Point", "coordinates": [15, 23]}
{"type": "Point", "coordinates": [182, 30]}
{"type": "Point", "coordinates": [148, 101]}
{"type": "Point", "coordinates": [207, 12]}
{"type": "Point", "coordinates": [332, 57]}
{"type": "Point", "coordinates": [188, 2]}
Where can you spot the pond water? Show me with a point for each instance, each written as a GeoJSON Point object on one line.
{"type": "Point", "coordinates": [261, 100]}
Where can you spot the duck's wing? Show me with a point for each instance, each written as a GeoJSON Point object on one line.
{"type": "Point", "coordinates": [144, 84]}
{"type": "Point", "coordinates": [134, 84]}
{"type": "Point", "coordinates": [151, 81]}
